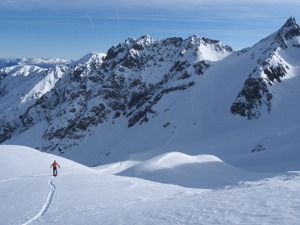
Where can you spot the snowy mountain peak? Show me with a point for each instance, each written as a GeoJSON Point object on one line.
{"type": "Point", "coordinates": [137, 44]}
{"type": "Point", "coordinates": [271, 66]}
{"type": "Point", "coordinates": [217, 45]}
{"type": "Point", "coordinates": [140, 43]}
{"type": "Point", "coordinates": [287, 35]}
{"type": "Point", "coordinates": [291, 23]}
{"type": "Point", "coordinates": [289, 31]}
{"type": "Point", "coordinates": [90, 58]}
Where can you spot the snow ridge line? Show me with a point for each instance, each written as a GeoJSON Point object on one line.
{"type": "Point", "coordinates": [46, 205]}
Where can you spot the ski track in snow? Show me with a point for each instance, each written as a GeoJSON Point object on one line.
{"type": "Point", "coordinates": [46, 205]}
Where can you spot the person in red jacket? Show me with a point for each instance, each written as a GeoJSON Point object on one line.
{"type": "Point", "coordinates": [54, 165]}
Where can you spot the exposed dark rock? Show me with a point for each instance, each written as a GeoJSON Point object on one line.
{"type": "Point", "coordinates": [200, 67]}
{"type": "Point", "coordinates": [113, 52]}
{"type": "Point", "coordinates": [275, 73]}
{"type": "Point", "coordinates": [252, 99]}
{"type": "Point", "coordinates": [258, 148]}
{"type": "Point", "coordinates": [172, 41]}
{"type": "Point", "coordinates": [179, 66]}
{"type": "Point", "coordinates": [184, 76]}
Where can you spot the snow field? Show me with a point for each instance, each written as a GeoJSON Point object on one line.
{"type": "Point", "coordinates": [81, 195]}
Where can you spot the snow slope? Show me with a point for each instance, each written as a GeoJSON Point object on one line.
{"type": "Point", "coordinates": [81, 195]}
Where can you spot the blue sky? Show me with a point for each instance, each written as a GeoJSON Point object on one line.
{"type": "Point", "coordinates": [72, 28]}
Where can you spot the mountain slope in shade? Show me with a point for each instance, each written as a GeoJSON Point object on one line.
{"type": "Point", "coordinates": [145, 98]}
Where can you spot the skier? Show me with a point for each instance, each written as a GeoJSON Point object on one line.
{"type": "Point", "coordinates": [54, 165]}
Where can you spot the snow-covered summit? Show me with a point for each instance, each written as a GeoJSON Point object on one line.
{"type": "Point", "coordinates": [140, 43]}
{"type": "Point", "coordinates": [91, 58]}
{"type": "Point", "coordinates": [289, 31]}
{"type": "Point", "coordinates": [287, 35]}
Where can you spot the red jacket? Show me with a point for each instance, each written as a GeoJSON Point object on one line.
{"type": "Point", "coordinates": [54, 165]}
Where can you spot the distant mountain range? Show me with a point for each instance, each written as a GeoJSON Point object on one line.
{"type": "Point", "coordinates": [43, 63]}
{"type": "Point", "coordinates": [146, 97]}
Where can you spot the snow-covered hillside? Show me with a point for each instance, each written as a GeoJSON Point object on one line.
{"type": "Point", "coordinates": [146, 98]}
{"type": "Point", "coordinates": [23, 81]}
{"type": "Point", "coordinates": [82, 195]}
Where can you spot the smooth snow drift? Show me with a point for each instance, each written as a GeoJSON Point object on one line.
{"type": "Point", "coordinates": [205, 171]}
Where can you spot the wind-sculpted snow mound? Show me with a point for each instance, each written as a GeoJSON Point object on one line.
{"type": "Point", "coordinates": [201, 171]}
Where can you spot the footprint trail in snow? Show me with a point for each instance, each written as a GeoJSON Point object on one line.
{"type": "Point", "coordinates": [46, 205]}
